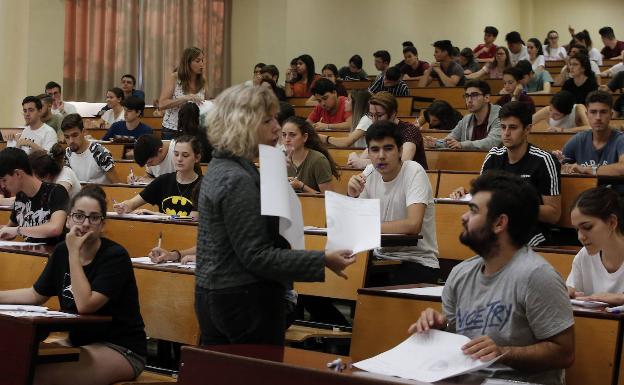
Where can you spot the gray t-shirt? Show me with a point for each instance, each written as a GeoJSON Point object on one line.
{"type": "Point", "coordinates": [522, 304]}
{"type": "Point", "coordinates": [580, 149]}
{"type": "Point", "coordinates": [453, 69]}
{"type": "Point", "coordinates": [536, 83]}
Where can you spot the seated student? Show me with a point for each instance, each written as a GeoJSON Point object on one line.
{"type": "Point", "coordinates": [330, 111]}
{"type": "Point", "coordinates": [91, 274]}
{"type": "Point", "coordinates": [615, 84]}
{"type": "Point", "coordinates": [91, 161]}
{"type": "Point", "coordinates": [357, 104]}
{"type": "Point", "coordinates": [599, 151]}
{"type": "Point", "coordinates": [38, 211]}
{"type": "Point", "coordinates": [311, 167]}
{"type": "Point", "coordinates": [300, 86]}
{"type": "Point", "coordinates": [536, 166]}
{"type": "Point", "coordinates": [487, 49]}
{"type": "Point", "coordinates": [493, 70]}
{"type": "Point", "coordinates": [513, 89]}
{"type": "Point", "coordinates": [551, 48]}
{"type": "Point", "coordinates": [408, 43]}
{"type": "Point", "coordinates": [50, 167]}
{"type": "Point", "coordinates": [412, 68]}
{"type": "Point", "coordinates": [517, 49]}
{"type": "Point", "coordinates": [563, 114]}
{"type": "Point", "coordinates": [447, 71]}
{"type": "Point", "coordinates": [597, 273]}
{"type": "Point", "coordinates": [582, 80]}
{"type": "Point", "coordinates": [582, 38]}
{"type": "Point", "coordinates": [188, 124]}
{"type": "Point", "coordinates": [534, 82]}
{"type": "Point", "coordinates": [612, 47]}
{"type": "Point", "coordinates": [517, 302]}
{"type": "Point", "coordinates": [156, 155]}
{"type": "Point", "coordinates": [613, 70]}
{"type": "Point", "coordinates": [383, 106]}
{"type": "Point", "coordinates": [272, 72]}
{"type": "Point", "coordinates": [47, 117]}
{"type": "Point", "coordinates": [406, 203]}
{"type": "Point", "coordinates": [37, 135]}
{"type": "Point", "coordinates": [128, 82]}
{"type": "Point", "coordinates": [131, 125]}
{"type": "Point", "coordinates": [478, 130]}
{"type": "Point", "coordinates": [172, 192]}
{"type": "Point", "coordinates": [440, 115]}
{"type": "Point", "coordinates": [564, 74]}
{"type": "Point", "coordinates": [114, 101]}
{"type": "Point", "coordinates": [392, 83]}
{"type": "Point", "coordinates": [382, 63]}
{"type": "Point", "coordinates": [329, 71]}
{"type": "Point", "coordinates": [255, 80]}
{"type": "Point", "coordinates": [536, 55]}
{"type": "Point", "coordinates": [354, 70]}
{"type": "Point", "coordinates": [467, 61]}
{"type": "Point", "coordinates": [270, 84]}
{"type": "Point", "coordinates": [53, 89]}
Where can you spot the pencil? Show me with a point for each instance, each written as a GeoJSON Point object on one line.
{"type": "Point", "coordinates": [160, 239]}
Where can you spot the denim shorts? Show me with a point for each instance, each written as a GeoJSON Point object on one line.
{"type": "Point", "coordinates": [136, 361]}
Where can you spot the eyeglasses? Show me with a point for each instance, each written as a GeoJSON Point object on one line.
{"type": "Point", "coordinates": [473, 95]}
{"type": "Point", "coordinates": [372, 116]}
{"type": "Point", "coordinates": [94, 219]}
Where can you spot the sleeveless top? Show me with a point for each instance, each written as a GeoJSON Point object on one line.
{"type": "Point", "coordinates": [568, 121]}
{"type": "Point", "coordinates": [170, 119]}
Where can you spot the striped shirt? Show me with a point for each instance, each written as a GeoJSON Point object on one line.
{"type": "Point", "coordinates": [537, 167]}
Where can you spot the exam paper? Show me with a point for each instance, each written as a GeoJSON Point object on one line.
{"type": "Point", "coordinates": [15, 243]}
{"type": "Point", "coordinates": [434, 291]}
{"type": "Point", "coordinates": [465, 198]}
{"type": "Point", "coordinates": [30, 308]}
{"type": "Point", "coordinates": [138, 216]}
{"type": "Point", "coordinates": [352, 223]}
{"type": "Point", "coordinates": [277, 197]}
{"type": "Point", "coordinates": [429, 357]}
{"type": "Point", "coordinates": [588, 304]}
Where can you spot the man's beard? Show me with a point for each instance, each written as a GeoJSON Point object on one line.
{"type": "Point", "coordinates": [482, 241]}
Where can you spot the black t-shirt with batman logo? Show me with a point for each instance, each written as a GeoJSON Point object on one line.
{"type": "Point", "coordinates": [171, 197]}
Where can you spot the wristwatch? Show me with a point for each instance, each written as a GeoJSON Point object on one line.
{"type": "Point", "coordinates": [594, 170]}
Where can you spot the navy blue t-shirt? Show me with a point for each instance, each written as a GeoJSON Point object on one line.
{"type": "Point", "coordinates": [580, 149]}
{"type": "Point", "coordinates": [120, 128]}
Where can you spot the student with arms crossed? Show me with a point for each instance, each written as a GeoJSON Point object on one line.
{"type": "Point", "coordinates": [406, 203]}
{"type": "Point", "coordinates": [172, 192]}
{"type": "Point", "coordinates": [536, 166]}
{"type": "Point", "coordinates": [599, 151]}
{"type": "Point", "coordinates": [91, 274]}
{"type": "Point", "coordinates": [311, 167]}
{"type": "Point", "coordinates": [478, 130]}
{"type": "Point", "coordinates": [91, 161]}
{"type": "Point", "coordinates": [533, 329]}
{"type": "Point", "coordinates": [563, 115]}
{"type": "Point", "coordinates": [597, 273]}
{"type": "Point", "coordinates": [383, 106]}
{"type": "Point", "coordinates": [38, 213]}
{"type": "Point", "coordinates": [244, 266]}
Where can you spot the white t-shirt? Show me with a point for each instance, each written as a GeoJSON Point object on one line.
{"type": "Point", "coordinates": [92, 165]}
{"type": "Point", "coordinates": [166, 166]}
{"type": "Point", "coordinates": [410, 186]}
{"type": "Point", "coordinates": [539, 61]}
{"type": "Point", "coordinates": [619, 67]}
{"type": "Point", "coordinates": [67, 107]}
{"type": "Point", "coordinates": [362, 125]}
{"type": "Point", "coordinates": [568, 121]}
{"type": "Point", "coordinates": [110, 118]}
{"type": "Point", "coordinates": [595, 56]}
{"type": "Point", "coordinates": [590, 276]}
{"type": "Point", "coordinates": [522, 55]}
{"type": "Point", "coordinates": [68, 175]}
{"type": "Point", "coordinates": [558, 53]}
{"type": "Point", "coordinates": [44, 136]}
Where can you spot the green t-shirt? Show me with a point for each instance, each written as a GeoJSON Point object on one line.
{"type": "Point", "coordinates": [314, 170]}
{"type": "Point", "coordinates": [55, 122]}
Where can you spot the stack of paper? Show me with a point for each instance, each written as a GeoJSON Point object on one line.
{"type": "Point", "coordinates": [352, 224]}
{"type": "Point", "coordinates": [31, 311]}
{"type": "Point", "coordinates": [433, 291]}
{"type": "Point", "coordinates": [428, 357]}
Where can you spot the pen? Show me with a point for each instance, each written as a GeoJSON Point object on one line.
{"type": "Point", "coordinates": [132, 178]}
{"type": "Point", "coordinates": [616, 309]}
{"type": "Point", "coordinates": [160, 239]}
{"type": "Point", "coordinates": [336, 365]}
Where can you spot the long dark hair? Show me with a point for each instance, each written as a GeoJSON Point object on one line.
{"type": "Point", "coordinates": [188, 124]}
{"type": "Point", "coordinates": [585, 63]}
{"type": "Point", "coordinates": [601, 202]}
{"type": "Point", "coordinates": [494, 63]}
{"type": "Point", "coordinates": [314, 141]}
{"type": "Point", "coordinates": [94, 192]}
{"type": "Point", "coordinates": [584, 36]}
{"type": "Point", "coordinates": [538, 46]}
{"type": "Point", "coordinates": [310, 70]}
{"type": "Point", "coordinates": [359, 105]}
{"type": "Point", "coordinates": [446, 114]}
{"type": "Point", "coordinates": [47, 164]}
{"type": "Point", "coordinates": [195, 146]}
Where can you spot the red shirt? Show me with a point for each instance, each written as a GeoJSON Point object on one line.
{"type": "Point", "coordinates": [609, 53]}
{"type": "Point", "coordinates": [489, 54]}
{"type": "Point", "coordinates": [339, 116]}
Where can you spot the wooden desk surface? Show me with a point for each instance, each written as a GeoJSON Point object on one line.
{"type": "Point", "coordinates": [382, 319]}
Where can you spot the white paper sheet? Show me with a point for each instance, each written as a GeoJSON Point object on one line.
{"type": "Point", "coordinates": [465, 198]}
{"type": "Point", "coordinates": [352, 224]}
{"type": "Point", "coordinates": [143, 260]}
{"type": "Point", "coordinates": [434, 291]}
{"type": "Point", "coordinates": [429, 357]}
{"type": "Point", "coordinates": [588, 304]}
{"type": "Point", "coordinates": [29, 308]}
{"type": "Point", "coordinates": [277, 197]}
{"type": "Point", "coordinates": [138, 216]}
{"type": "Point", "coordinates": [15, 243]}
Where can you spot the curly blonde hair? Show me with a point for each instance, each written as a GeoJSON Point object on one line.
{"type": "Point", "coordinates": [232, 124]}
